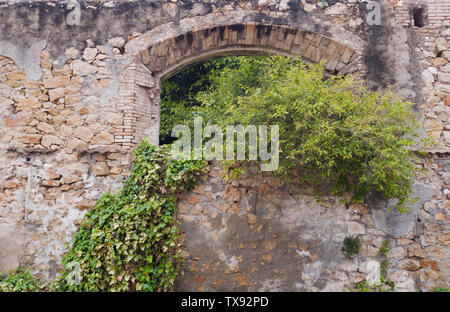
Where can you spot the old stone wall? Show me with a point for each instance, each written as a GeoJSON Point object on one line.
{"type": "Point", "coordinates": [76, 96]}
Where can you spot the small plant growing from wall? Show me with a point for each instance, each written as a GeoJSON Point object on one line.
{"type": "Point", "coordinates": [351, 246]}
{"type": "Point", "coordinates": [386, 283]}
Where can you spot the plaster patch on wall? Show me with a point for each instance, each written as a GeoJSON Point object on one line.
{"type": "Point", "coordinates": [27, 58]}
{"type": "Point", "coordinates": [12, 240]}
{"type": "Point", "coordinates": [311, 273]}
{"type": "Point", "coordinates": [388, 219]}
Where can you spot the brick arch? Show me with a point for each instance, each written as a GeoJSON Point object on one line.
{"type": "Point", "coordinates": [170, 55]}
{"type": "Point", "coordinates": [162, 58]}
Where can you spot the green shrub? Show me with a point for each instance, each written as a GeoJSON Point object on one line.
{"type": "Point", "coordinates": [19, 280]}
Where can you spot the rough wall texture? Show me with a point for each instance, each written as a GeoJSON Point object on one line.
{"type": "Point", "coordinates": [75, 100]}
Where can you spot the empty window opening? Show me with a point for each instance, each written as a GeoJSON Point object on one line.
{"type": "Point", "coordinates": [418, 16]}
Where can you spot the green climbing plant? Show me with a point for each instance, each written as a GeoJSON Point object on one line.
{"type": "Point", "coordinates": [129, 242]}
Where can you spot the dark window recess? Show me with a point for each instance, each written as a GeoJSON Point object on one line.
{"type": "Point", "coordinates": [418, 16]}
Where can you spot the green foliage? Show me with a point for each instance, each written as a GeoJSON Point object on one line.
{"type": "Point", "coordinates": [351, 246]}
{"type": "Point", "coordinates": [364, 287]}
{"type": "Point", "coordinates": [129, 242]}
{"type": "Point", "coordinates": [385, 282]}
{"type": "Point", "coordinates": [333, 131]}
{"type": "Point", "coordinates": [178, 94]}
{"type": "Point", "coordinates": [441, 289]}
{"type": "Point", "coordinates": [19, 280]}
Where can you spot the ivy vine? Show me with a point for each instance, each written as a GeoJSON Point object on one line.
{"type": "Point", "coordinates": [19, 280]}
{"type": "Point", "coordinates": [130, 241]}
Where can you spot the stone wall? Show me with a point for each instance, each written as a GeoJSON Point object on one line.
{"type": "Point", "coordinates": [256, 233]}
{"type": "Point", "coordinates": [76, 99]}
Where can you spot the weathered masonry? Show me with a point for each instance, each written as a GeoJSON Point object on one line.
{"type": "Point", "coordinates": [79, 88]}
